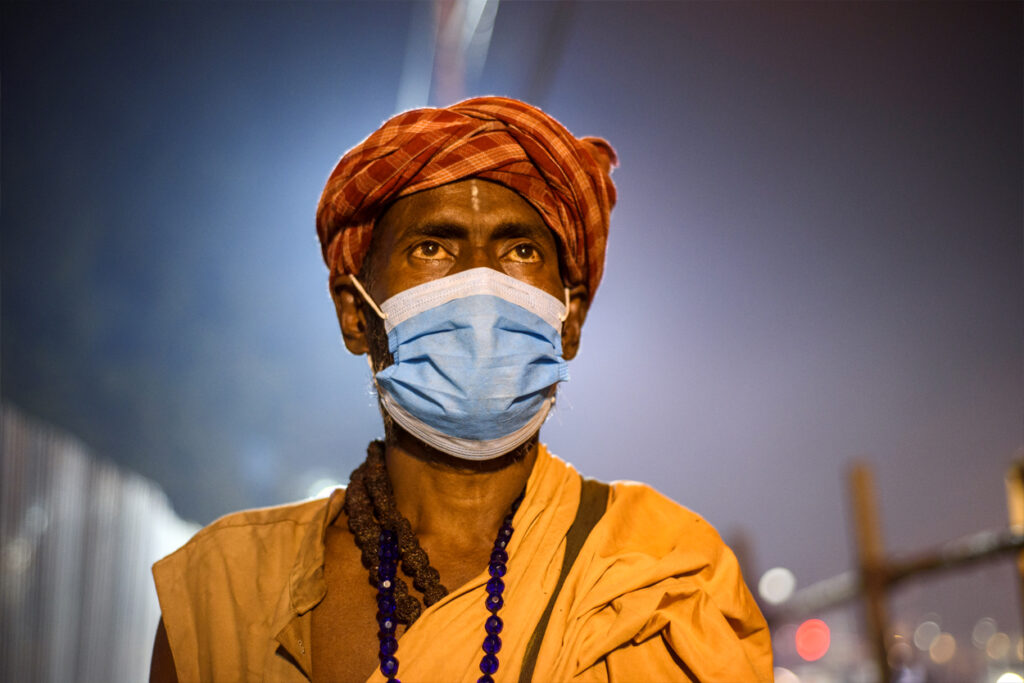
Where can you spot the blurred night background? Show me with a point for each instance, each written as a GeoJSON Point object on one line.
{"type": "Point", "coordinates": [817, 257]}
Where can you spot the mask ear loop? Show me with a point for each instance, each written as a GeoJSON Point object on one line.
{"type": "Point", "coordinates": [565, 316]}
{"type": "Point", "coordinates": [376, 308]}
{"type": "Point", "coordinates": [359, 288]}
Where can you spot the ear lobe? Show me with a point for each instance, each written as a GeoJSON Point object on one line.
{"type": "Point", "coordinates": [572, 328]}
{"type": "Point", "coordinates": [350, 314]}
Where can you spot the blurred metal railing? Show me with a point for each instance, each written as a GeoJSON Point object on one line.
{"type": "Point", "coordinates": [877, 575]}
{"type": "Point", "coordinates": [77, 538]}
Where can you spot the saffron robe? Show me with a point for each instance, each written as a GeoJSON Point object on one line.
{"type": "Point", "coordinates": [654, 595]}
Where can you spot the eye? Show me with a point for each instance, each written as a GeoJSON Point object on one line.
{"type": "Point", "coordinates": [524, 252]}
{"type": "Point", "coordinates": [431, 251]}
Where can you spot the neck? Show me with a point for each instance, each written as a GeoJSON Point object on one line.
{"type": "Point", "coordinates": [453, 500]}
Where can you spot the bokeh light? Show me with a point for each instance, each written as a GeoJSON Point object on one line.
{"type": "Point", "coordinates": [1008, 677]}
{"type": "Point", "coordinates": [983, 630]}
{"type": "Point", "coordinates": [784, 675]}
{"type": "Point", "coordinates": [776, 585]}
{"type": "Point", "coordinates": [998, 646]}
{"type": "Point", "coordinates": [813, 639]}
{"type": "Point", "coordinates": [322, 488]}
{"type": "Point", "coordinates": [925, 634]}
{"type": "Point", "coordinates": [900, 654]}
{"type": "Point", "coordinates": [942, 648]}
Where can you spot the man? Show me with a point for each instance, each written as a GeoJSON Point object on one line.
{"type": "Point", "coordinates": [465, 246]}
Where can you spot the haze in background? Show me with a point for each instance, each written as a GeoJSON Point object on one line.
{"type": "Point", "coordinates": [816, 256]}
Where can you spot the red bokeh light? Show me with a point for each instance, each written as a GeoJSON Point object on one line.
{"type": "Point", "coordinates": [813, 639]}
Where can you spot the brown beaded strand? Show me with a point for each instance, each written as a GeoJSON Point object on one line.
{"type": "Point", "coordinates": [364, 527]}
{"type": "Point", "coordinates": [415, 562]}
{"type": "Point", "coordinates": [370, 506]}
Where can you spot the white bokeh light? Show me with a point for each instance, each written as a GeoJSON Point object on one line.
{"type": "Point", "coordinates": [983, 630]}
{"type": "Point", "coordinates": [322, 488]}
{"type": "Point", "coordinates": [784, 675]}
{"type": "Point", "coordinates": [925, 634]}
{"type": "Point", "coordinates": [776, 585]}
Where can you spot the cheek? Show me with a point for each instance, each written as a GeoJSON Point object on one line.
{"type": "Point", "coordinates": [540, 275]}
{"type": "Point", "coordinates": [552, 279]}
{"type": "Point", "coordinates": [401, 275]}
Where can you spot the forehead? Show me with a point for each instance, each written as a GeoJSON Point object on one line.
{"type": "Point", "coordinates": [469, 203]}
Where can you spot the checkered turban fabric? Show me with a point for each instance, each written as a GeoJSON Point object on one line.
{"type": "Point", "coordinates": [565, 178]}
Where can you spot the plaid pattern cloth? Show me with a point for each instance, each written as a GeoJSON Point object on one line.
{"type": "Point", "coordinates": [566, 179]}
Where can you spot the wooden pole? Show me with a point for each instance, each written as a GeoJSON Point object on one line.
{"type": "Point", "coordinates": [1015, 508]}
{"type": "Point", "coordinates": [871, 561]}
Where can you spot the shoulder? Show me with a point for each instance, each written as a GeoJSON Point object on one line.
{"type": "Point", "coordinates": [221, 592]}
{"type": "Point", "coordinates": [657, 568]}
{"type": "Point", "coordinates": [223, 536]}
{"type": "Point", "coordinates": [647, 541]}
{"type": "Point", "coordinates": [264, 542]}
{"type": "Point", "coordinates": [288, 515]}
{"type": "Point", "coordinates": [639, 519]}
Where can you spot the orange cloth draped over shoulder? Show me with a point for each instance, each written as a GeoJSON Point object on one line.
{"type": "Point", "coordinates": [502, 140]}
{"type": "Point", "coordinates": [654, 595]}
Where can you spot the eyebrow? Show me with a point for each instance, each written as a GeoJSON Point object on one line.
{"type": "Point", "coordinates": [438, 229]}
{"type": "Point", "coordinates": [447, 230]}
{"type": "Point", "coordinates": [514, 229]}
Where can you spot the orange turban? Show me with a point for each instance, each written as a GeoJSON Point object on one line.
{"type": "Point", "coordinates": [506, 141]}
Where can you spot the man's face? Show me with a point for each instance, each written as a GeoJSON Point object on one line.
{"type": "Point", "coordinates": [455, 227]}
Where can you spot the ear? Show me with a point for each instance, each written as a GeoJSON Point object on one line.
{"type": "Point", "coordinates": [579, 302]}
{"type": "Point", "coordinates": [351, 316]}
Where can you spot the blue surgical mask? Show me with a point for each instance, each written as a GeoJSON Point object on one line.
{"type": "Point", "coordinates": [477, 356]}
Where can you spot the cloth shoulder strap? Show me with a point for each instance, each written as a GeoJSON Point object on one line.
{"type": "Point", "coordinates": [593, 503]}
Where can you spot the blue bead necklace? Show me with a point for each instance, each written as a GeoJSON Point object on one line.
{"type": "Point", "coordinates": [388, 555]}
